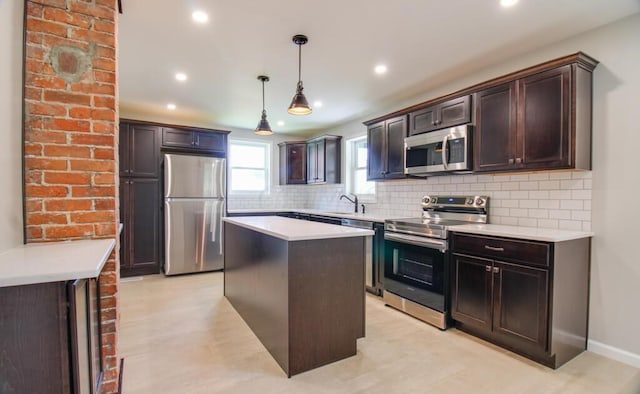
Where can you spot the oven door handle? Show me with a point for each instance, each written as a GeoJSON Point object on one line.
{"type": "Point", "coordinates": [439, 244]}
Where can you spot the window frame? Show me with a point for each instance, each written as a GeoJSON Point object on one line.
{"type": "Point", "coordinates": [267, 146]}
{"type": "Point", "coordinates": [351, 168]}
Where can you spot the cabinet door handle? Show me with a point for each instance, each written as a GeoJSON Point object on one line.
{"type": "Point", "coordinates": [496, 270]}
{"type": "Point", "coordinates": [197, 140]}
{"type": "Point", "coordinates": [510, 161]}
{"type": "Point", "coordinates": [487, 268]}
{"type": "Point", "coordinates": [494, 248]}
{"type": "Point", "coordinates": [518, 160]}
{"type": "Point", "coordinates": [434, 123]}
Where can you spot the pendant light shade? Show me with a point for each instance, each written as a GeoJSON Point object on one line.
{"type": "Point", "coordinates": [263, 126]}
{"type": "Point", "coordinates": [299, 104]}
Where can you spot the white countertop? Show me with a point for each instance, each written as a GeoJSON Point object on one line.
{"type": "Point", "coordinates": [54, 261]}
{"type": "Point", "coordinates": [532, 233]}
{"type": "Point", "coordinates": [347, 215]}
{"type": "Point", "coordinates": [296, 230]}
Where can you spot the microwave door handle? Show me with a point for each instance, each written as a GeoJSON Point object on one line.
{"type": "Point", "coordinates": [445, 140]}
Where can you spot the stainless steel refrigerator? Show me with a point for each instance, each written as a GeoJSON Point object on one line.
{"type": "Point", "coordinates": [194, 202]}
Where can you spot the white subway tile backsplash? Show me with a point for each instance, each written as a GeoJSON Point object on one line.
{"type": "Point", "coordinates": [571, 204]}
{"type": "Point", "coordinates": [510, 186]}
{"type": "Point", "coordinates": [549, 185]}
{"type": "Point", "coordinates": [508, 221]}
{"type": "Point", "coordinates": [528, 203]}
{"type": "Point", "coordinates": [521, 195]}
{"type": "Point", "coordinates": [529, 186]}
{"type": "Point", "coordinates": [549, 204]}
{"type": "Point", "coordinates": [546, 200]}
{"type": "Point", "coordinates": [560, 194]}
{"type": "Point", "coordinates": [539, 213]}
{"type": "Point", "coordinates": [538, 177]}
{"type": "Point", "coordinates": [581, 194]}
{"type": "Point", "coordinates": [581, 215]}
{"type": "Point", "coordinates": [527, 222]}
{"type": "Point", "coordinates": [499, 211]}
{"type": "Point", "coordinates": [539, 195]}
{"type": "Point", "coordinates": [559, 214]}
{"type": "Point", "coordinates": [581, 175]}
{"type": "Point", "coordinates": [572, 184]}
{"type": "Point", "coordinates": [548, 223]}
{"type": "Point", "coordinates": [574, 225]}
{"type": "Point", "coordinates": [508, 204]}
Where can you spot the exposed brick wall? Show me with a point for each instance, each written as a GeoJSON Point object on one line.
{"type": "Point", "coordinates": [71, 133]}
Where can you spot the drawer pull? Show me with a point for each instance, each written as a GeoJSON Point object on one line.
{"type": "Point", "coordinates": [496, 270]}
{"type": "Point", "coordinates": [487, 268]}
{"type": "Point", "coordinates": [494, 248]}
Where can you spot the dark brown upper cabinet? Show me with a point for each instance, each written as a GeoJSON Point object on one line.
{"type": "Point", "coordinates": [538, 118]}
{"type": "Point", "coordinates": [439, 116]}
{"type": "Point", "coordinates": [293, 163]}
{"type": "Point", "coordinates": [495, 131]}
{"type": "Point", "coordinates": [139, 150]}
{"type": "Point", "coordinates": [194, 140]}
{"type": "Point", "coordinates": [385, 145]}
{"type": "Point", "coordinates": [323, 159]}
{"type": "Point", "coordinates": [541, 121]}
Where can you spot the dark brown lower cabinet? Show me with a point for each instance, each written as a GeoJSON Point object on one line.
{"type": "Point", "coordinates": [140, 216]}
{"type": "Point", "coordinates": [50, 338]}
{"type": "Point", "coordinates": [534, 302]}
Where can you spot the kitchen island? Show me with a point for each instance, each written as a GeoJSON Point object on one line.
{"type": "Point", "coordinates": [299, 286]}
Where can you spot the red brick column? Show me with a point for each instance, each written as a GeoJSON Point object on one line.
{"type": "Point", "coordinates": [71, 131]}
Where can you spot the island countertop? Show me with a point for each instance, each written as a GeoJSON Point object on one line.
{"type": "Point", "coordinates": [54, 261]}
{"type": "Point", "coordinates": [296, 230]}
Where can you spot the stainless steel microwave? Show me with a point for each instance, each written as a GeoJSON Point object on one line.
{"type": "Point", "coordinates": [447, 150]}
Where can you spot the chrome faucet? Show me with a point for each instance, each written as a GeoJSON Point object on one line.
{"type": "Point", "coordinates": [354, 201]}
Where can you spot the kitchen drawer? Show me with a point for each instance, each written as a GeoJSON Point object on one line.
{"type": "Point", "coordinates": [504, 249]}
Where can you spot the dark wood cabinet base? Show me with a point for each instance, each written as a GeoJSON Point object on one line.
{"type": "Point", "coordinates": [302, 299]}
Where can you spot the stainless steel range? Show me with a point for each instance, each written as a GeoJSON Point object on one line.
{"type": "Point", "coordinates": [416, 264]}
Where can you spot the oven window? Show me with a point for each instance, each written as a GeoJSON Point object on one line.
{"type": "Point", "coordinates": [412, 269]}
{"type": "Point", "coordinates": [415, 266]}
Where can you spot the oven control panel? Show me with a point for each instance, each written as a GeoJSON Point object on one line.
{"type": "Point", "coordinates": [454, 201]}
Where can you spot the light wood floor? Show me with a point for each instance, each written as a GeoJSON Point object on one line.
{"type": "Point", "coordinates": [180, 335]}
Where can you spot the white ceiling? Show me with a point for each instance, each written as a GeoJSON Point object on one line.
{"type": "Point", "coordinates": [423, 43]}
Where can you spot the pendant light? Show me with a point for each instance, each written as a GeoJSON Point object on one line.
{"type": "Point", "coordinates": [299, 104]}
{"type": "Point", "coordinates": [263, 126]}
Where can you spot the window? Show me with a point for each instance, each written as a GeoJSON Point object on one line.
{"type": "Point", "coordinates": [357, 170]}
{"type": "Point", "coordinates": [249, 166]}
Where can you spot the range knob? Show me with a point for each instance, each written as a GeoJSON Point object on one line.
{"type": "Point", "coordinates": [470, 201]}
{"type": "Point", "coordinates": [426, 200]}
{"type": "Point", "coordinates": [433, 200]}
{"type": "Point", "coordinates": [480, 201]}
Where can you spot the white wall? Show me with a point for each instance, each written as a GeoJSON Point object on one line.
{"type": "Point", "coordinates": [11, 16]}
{"type": "Point", "coordinates": [614, 321]}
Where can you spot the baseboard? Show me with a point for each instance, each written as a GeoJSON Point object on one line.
{"type": "Point", "coordinates": [614, 353]}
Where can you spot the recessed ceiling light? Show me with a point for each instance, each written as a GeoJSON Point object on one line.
{"type": "Point", "coordinates": [181, 77]}
{"type": "Point", "coordinates": [171, 106]}
{"type": "Point", "coordinates": [280, 123]}
{"type": "Point", "coordinates": [508, 3]}
{"type": "Point", "coordinates": [200, 16]}
{"type": "Point", "coordinates": [380, 69]}
{"type": "Point", "coordinates": [317, 103]}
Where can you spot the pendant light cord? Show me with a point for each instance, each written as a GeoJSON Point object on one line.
{"type": "Point", "coordinates": [299, 63]}
{"type": "Point", "coordinates": [263, 95]}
